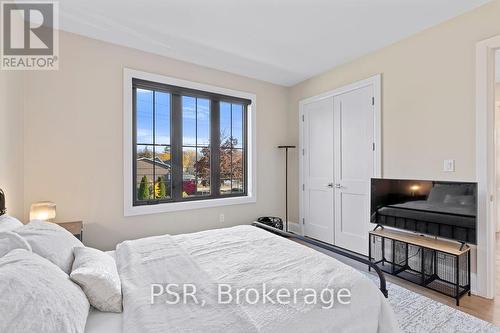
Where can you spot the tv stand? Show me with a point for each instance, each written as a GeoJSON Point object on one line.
{"type": "Point", "coordinates": [432, 263]}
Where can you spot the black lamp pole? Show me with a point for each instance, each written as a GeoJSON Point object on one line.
{"type": "Point", "coordinates": [286, 183]}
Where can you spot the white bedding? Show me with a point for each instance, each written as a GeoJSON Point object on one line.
{"type": "Point", "coordinates": [96, 273]}
{"type": "Point", "coordinates": [242, 256]}
{"type": "Point", "coordinates": [36, 296]}
{"type": "Point", "coordinates": [104, 322]}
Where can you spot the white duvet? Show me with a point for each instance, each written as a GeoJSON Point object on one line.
{"type": "Point", "coordinates": [243, 257]}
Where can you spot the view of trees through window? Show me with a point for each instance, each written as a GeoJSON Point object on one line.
{"type": "Point", "coordinates": [231, 148]}
{"type": "Point", "coordinates": [195, 139]}
{"type": "Point", "coordinates": [195, 172]}
{"type": "Point", "coordinates": [153, 162]}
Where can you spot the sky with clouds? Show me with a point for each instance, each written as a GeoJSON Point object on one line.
{"type": "Point", "coordinates": [195, 119]}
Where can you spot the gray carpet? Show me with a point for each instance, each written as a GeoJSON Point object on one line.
{"type": "Point", "coordinates": [418, 314]}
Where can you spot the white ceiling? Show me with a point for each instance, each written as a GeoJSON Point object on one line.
{"type": "Point", "coordinates": [280, 41]}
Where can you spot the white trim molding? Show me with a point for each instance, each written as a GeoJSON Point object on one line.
{"type": "Point", "coordinates": [485, 165]}
{"type": "Point", "coordinates": [376, 81]}
{"type": "Point", "coordinates": [129, 209]}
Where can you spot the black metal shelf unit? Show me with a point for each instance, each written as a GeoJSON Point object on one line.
{"type": "Point", "coordinates": [444, 272]}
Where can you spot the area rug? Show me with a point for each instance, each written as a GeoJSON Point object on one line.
{"type": "Point", "coordinates": [418, 314]}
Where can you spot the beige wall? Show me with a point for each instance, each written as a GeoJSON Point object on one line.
{"type": "Point", "coordinates": [11, 140]}
{"type": "Point", "coordinates": [73, 124]}
{"type": "Point", "coordinates": [73, 142]}
{"type": "Point", "coordinates": [497, 148]}
{"type": "Point", "coordinates": [428, 88]}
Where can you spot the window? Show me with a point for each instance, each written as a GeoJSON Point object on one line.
{"type": "Point", "coordinates": [232, 152]}
{"type": "Point", "coordinates": [188, 145]}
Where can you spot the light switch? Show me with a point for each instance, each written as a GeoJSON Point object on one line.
{"type": "Point", "coordinates": [449, 166]}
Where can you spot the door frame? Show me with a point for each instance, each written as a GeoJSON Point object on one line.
{"type": "Point", "coordinates": [376, 81]}
{"type": "Point", "coordinates": [485, 166]}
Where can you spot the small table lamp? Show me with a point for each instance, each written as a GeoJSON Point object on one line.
{"type": "Point", "coordinates": [43, 210]}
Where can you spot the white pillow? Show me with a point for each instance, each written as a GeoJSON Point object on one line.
{"type": "Point", "coordinates": [51, 242]}
{"type": "Point", "coordinates": [8, 223]}
{"type": "Point", "coordinates": [10, 241]}
{"type": "Point", "coordinates": [96, 272]}
{"type": "Point", "coordinates": [38, 297]}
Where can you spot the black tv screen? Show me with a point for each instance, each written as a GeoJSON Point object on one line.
{"type": "Point", "coordinates": [438, 208]}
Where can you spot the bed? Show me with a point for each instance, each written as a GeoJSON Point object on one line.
{"type": "Point", "coordinates": [243, 256]}
{"type": "Point", "coordinates": [42, 261]}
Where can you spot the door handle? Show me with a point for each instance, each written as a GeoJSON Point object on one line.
{"type": "Point", "coordinates": [330, 185]}
{"type": "Point", "coordinates": [338, 186]}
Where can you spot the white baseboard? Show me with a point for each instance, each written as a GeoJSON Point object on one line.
{"type": "Point", "coordinates": [294, 227]}
{"type": "Point", "coordinates": [473, 284]}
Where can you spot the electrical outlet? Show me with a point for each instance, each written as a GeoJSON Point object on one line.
{"type": "Point", "coordinates": [449, 166]}
{"type": "Point", "coordinates": [221, 218]}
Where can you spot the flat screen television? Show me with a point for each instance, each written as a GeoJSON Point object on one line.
{"type": "Point", "coordinates": [438, 208]}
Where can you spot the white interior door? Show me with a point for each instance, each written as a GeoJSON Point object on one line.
{"type": "Point", "coordinates": [354, 167]}
{"type": "Point", "coordinates": [318, 170]}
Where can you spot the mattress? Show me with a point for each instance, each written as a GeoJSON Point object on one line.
{"type": "Point", "coordinates": [438, 214]}
{"type": "Point", "coordinates": [103, 322]}
{"type": "Point", "coordinates": [426, 206]}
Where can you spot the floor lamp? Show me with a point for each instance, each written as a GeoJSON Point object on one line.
{"type": "Point", "coordinates": [286, 183]}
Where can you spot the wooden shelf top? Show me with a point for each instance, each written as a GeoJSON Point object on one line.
{"type": "Point", "coordinates": [75, 227]}
{"type": "Point", "coordinates": [425, 241]}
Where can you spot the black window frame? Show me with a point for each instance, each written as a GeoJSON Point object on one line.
{"type": "Point", "coordinates": [176, 94]}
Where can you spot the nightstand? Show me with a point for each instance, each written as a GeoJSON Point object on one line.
{"type": "Point", "coordinates": [76, 228]}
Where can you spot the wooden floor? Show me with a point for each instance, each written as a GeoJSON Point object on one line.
{"type": "Point", "coordinates": [485, 309]}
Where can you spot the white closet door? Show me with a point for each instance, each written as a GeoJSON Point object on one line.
{"type": "Point", "coordinates": [354, 167]}
{"type": "Point", "coordinates": [318, 170]}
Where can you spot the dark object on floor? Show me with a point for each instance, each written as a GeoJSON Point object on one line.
{"type": "Point", "coordinates": [271, 221]}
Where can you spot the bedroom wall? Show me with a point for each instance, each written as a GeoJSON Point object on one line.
{"type": "Point", "coordinates": [428, 89]}
{"type": "Point", "coordinates": [73, 142]}
{"type": "Point", "coordinates": [11, 140]}
{"type": "Point", "coordinates": [497, 138]}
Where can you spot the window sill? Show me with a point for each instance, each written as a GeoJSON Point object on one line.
{"type": "Point", "coordinates": [186, 205]}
